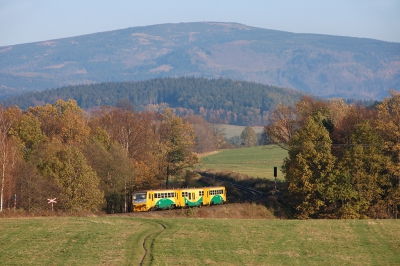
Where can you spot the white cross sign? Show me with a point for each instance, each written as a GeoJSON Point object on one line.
{"type": "Point", "coordinates": [52, 200]}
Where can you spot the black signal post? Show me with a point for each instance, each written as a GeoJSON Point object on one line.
{"type": "Point", "coordinates": [275, 175]}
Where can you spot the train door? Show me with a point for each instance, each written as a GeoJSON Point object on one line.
{"type": "Point", "coordinates": [206, 197]}
{"type": "Point", "coordinates": [150, 200]}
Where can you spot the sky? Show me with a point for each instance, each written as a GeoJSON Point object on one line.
{"type": "Point", "coordinates": [25, 21]}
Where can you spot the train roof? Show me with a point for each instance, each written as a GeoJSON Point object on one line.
{"type": "Point", "coordinates": [173, 189]}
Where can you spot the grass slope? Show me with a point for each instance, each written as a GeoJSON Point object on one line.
{"type": "Point", "coordinates": [118, 241]}
{"type": "Point", "coordinates": [254, 161]}
{"type": "Point", "coordinates": [233, 130]}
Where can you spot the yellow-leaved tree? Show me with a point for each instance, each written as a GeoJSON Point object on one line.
{"type": "Point", "coordinates": [176, 141]}
{"type": "Point", "coordinates": [388, 124]}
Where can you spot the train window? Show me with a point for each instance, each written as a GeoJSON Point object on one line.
{"type": "Point", "coordinates": [149, 196]}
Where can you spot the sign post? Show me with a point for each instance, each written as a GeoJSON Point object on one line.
{"type": "Point", "coordinates": [275, 175]}
{"type": "Point", "coordinates": [52, 201]}
{"type": "Point", "coordinates": [15, 201]}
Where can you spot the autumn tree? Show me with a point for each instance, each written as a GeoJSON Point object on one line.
{"type": "Point", "coordinates": [27, 131]}
{"type": "Point", "coordinates": [205, 140]}
{"type": "Point", "coordinates": [62, 120]}
{"type": "Point", "coordinates": [114, 170]}
{"type": "Point", "coordinates": [218, 132]}
{"type": "Point", "coordinates": [388, 125]}
{"type": "Point", "coordinates": [308, 167]}
{"type": "Point", "coordinates": [282, 125]}
{"type": "Point", "coordinates": [77, 183]}
{"type": "Point", "coordinates": [366, 163]}
{"type": "Point", "coordinates": [249, 137]}
{"type": "Point", "coordinates": [178, 139]}
{"type": "Point", "coordinates": [126, 127]}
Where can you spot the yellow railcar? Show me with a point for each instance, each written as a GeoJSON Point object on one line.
{"type": "Point", "coordinates": [146, 200]}
{"type": "Point", "coordinates": [214, 195]}
{"type": "Point", "coordinates": [191, 197]}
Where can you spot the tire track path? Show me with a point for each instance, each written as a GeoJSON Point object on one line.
{"type": "Point", "coordinates": [150, 237]}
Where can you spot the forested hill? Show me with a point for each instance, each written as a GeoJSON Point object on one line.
{"type": "Point", "coordinates": [228, 101]}
{"type": "Point", "coordinates": [322, 65]}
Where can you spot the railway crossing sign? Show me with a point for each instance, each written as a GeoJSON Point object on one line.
{"type": "Point", "coordinates": [52, 201]}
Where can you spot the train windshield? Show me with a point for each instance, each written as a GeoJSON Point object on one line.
{"type": "Point", "coordinates": [139, 197]}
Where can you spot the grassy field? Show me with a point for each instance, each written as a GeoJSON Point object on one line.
{"type": "Point", "coordinates": [232, 130]}
{"type": "Point", "coordinates": [117, 240]}
{"type": "Point", "coordinates": [254, 161]}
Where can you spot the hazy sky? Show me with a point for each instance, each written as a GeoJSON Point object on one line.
{"type": "Point", "coordinates": [23, 21]}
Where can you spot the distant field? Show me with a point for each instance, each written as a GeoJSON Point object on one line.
{"type": "Point", "coordinates": [116, 240]}
{"type": "Point", "coordinates": [254, 161]}
{"type": "Point", "coordinates": [231, 130]}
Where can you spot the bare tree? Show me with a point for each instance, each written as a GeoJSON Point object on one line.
{"type": "Point", "coordinates": [7, 151]}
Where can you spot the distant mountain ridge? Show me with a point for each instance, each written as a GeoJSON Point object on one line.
{"type": "Point", "coordinates": [326, 66]}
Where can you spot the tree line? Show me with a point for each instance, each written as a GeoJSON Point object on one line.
{"type": "Point", "coordinates": [93, 161]}
{"type": "Point", "coordinates": [343, 160]}
{"type": "Point", "coordinates": [228, 101]}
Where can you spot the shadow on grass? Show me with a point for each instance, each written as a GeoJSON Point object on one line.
{"type": "Point", "coordinates": [273, 194]}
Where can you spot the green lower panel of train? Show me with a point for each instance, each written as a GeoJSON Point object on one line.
{"type": "Point", "coordinates": [146, 200]}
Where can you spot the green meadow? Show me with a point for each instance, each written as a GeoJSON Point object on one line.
{"type": "Point", "coordinates": [117, 240]}
{"type": "Point", "coordinates": [177, 238]}
{"type": "Point", "coordinates": [256, 161]}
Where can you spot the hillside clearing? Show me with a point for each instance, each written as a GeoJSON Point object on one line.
{"type": "Point", "coordinates": [256, 161]}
